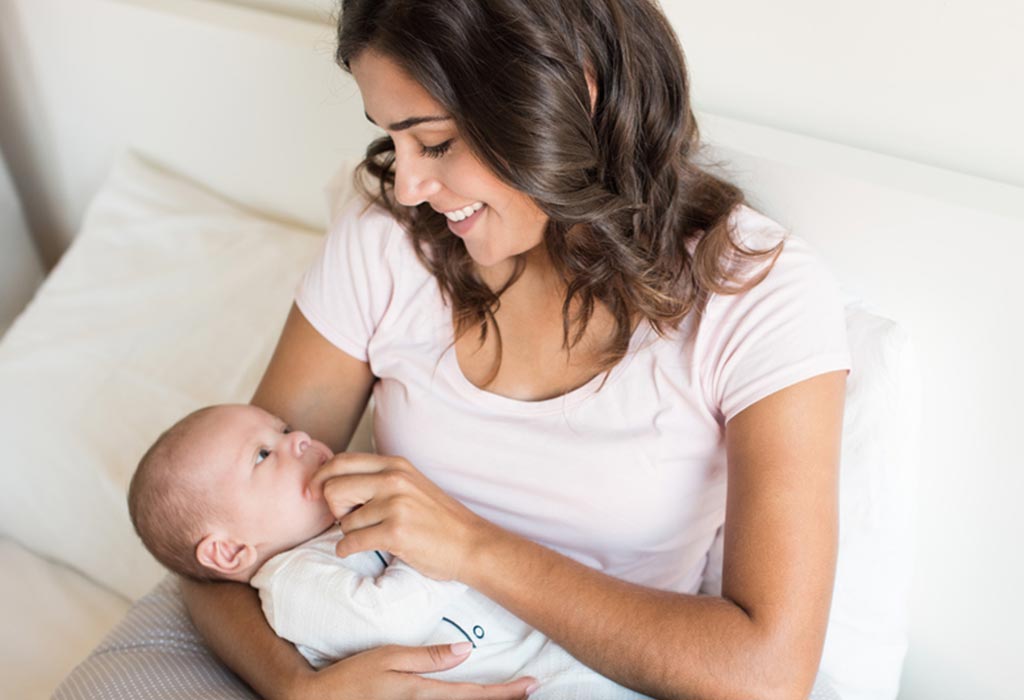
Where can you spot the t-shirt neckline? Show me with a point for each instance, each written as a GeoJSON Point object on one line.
{"type": "Point", "coordinates": [498, 402]}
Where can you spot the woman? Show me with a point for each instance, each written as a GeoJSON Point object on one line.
{"type": "Point", "coordinates": [567, 380]}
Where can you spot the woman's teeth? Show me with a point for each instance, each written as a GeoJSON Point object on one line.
{"type": "Point", "coordinates": [464, 213]}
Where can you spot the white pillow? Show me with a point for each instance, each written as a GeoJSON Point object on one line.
{"type": "Point", "coordinates": [868, 627]}
{"type": "Point", "coordinates": [169, 298]}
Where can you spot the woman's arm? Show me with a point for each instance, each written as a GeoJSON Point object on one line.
{"type": "Point", "coordinates": [762, 638]}
{"type": "Point", "coordinates": [312, 384]}
{"type": "Point", "coordinates": [224, 614]}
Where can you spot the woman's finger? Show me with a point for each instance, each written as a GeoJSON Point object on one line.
{"type": "Point", "coordinates": [365, 540]}
{"type": "Point", "coordinates": [368, 515]}
{"type": "Point", "coordinates": [393, 672]}
{"type": "Point", "coordinates": [441, 657]}
{"type": "Point", "coordinates": [513, 690]}
{"type": "Point", "coordinates": [343, 493]}
{"type": "Point", "coordinates": [427, 659]}
{"type": "Point", "coordinates": [346, 463]}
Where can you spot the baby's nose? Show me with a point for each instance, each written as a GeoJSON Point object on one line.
{"type": "Point", "coordinates": [300, 442]}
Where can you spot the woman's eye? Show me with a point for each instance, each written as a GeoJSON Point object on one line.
{"type": "Point", "coordinates": [437, 151]}
{"type": "Point", "coordinates": [263, 454]}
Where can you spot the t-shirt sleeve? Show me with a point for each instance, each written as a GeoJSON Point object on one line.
{"type": "Point", "coordinates": [788, 328]}
{"type": "Point", "coordinates": [347, 289]}
{"type": "Point", "coordinates": [342, 606]}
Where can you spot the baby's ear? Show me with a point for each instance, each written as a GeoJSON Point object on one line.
{"type": "Point", "coordinates": [226, 556]}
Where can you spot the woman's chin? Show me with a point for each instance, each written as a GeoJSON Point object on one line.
{"type": "Point", "coordinates": [490, 264]}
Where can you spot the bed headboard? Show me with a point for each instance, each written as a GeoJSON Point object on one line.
{"type": "Point", "coordinates": [250, 104]}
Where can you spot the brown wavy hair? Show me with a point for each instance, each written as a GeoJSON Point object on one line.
{"type": "Point", "coordinates": [621, 185]}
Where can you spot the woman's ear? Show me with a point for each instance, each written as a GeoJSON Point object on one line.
{"type": "Point", "coordinates": [225, 555]}
{"type": "Point", "coordinates": [592, 87]}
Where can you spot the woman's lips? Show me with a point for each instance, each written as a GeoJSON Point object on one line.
{"type": "Point", "coordinates": [461, 228]}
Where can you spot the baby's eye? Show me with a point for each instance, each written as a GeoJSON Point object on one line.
{"type": "Point", "coordinates": [263, 454]}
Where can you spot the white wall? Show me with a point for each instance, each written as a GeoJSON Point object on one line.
{"type": "Point", "coordinates": [934, 81]}
{"type": "Point", "coordinates": [70, 99]}
{"type": "Point", "coordinates": [315, 10]}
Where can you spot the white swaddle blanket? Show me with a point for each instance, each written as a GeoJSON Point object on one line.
{"type": "Point", "coordinates": [332, 607]}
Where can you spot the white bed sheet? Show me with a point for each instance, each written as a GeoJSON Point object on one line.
{"type": "Point", "coordinates": [52, 616]}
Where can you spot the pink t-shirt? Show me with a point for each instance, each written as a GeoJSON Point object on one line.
{"type": "Point", "coordinates": [629, 480]}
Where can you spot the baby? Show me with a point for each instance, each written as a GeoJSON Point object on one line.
{"type": "Point", "coordinates": [221, 495]}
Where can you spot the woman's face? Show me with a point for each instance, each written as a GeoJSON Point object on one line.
{"type": "Point", "coordinates": [433, 164]}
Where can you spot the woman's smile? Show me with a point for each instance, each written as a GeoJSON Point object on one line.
{"type": "Point", "coordinates": [461, 228]}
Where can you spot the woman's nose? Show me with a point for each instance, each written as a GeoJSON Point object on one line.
{"type": "Point", "coordinates": [415, 182]}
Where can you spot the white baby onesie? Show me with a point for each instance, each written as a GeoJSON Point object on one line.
{"type": "Point", "coordinates": [332, 607]}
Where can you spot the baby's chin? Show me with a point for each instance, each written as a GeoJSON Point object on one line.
{"type": "Point", "coordinates": [319, 527]}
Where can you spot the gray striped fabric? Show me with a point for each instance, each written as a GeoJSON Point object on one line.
{"type": "Point", "coordinates": [155, 654]}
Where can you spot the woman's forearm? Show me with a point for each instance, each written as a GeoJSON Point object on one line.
{"type": "Point", "coordinates": [664, 644]}
{"type": "Point", "coordinates": [230, 620]}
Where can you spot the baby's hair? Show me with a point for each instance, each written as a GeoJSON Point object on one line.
{"type": "Point", "coordinates": [168, 507]}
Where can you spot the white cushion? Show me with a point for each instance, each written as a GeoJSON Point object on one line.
{"type": "Point", "coordinates": [868, 627]}
{"type": "Point", "coordinates": [170, 298]}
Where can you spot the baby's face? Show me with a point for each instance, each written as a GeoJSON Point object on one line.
{"type": "Point", "coordinates": [258, 473]}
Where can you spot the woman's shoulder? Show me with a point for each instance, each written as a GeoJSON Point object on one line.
{"type": "Point", "coordinates": [798, 260]}
{"type": "Point", "coordinates": [755, 229]}
{"type": "Point", "coordinates": [788, 326]}
{"type": "Point", "coordinates": [364, 228]}
{"type": "Point", "coordinates": [798, 271]}
{"type": "Point", "coordinates": [365, 219]}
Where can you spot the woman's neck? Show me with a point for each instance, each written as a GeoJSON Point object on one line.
{"type": "Point", "coordinates": [538, 280]}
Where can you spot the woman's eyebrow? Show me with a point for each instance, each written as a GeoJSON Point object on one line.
{"type": "Point", "coordinates": [409, 123]}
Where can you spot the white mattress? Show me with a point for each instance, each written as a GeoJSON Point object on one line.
{"type": "Point", "coordinates": [52, 616]}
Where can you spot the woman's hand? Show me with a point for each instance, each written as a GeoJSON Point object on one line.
{"type": "Point", "coordinates": [392, 672]}
{"type": "Point", "coordinates": [385, 503]}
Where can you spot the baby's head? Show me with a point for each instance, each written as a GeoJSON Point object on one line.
{"type": "Point", "coordinates": [224, 489]}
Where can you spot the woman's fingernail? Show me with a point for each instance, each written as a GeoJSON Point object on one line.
{"type": "Point", "coordinates": [462, 648]}
{"type": "Point", "coordinates": [532, 689]}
